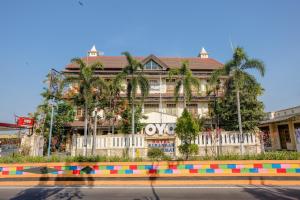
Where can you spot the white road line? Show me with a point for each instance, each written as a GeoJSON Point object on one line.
{"type": "Point", "coordinates": [156, 187]}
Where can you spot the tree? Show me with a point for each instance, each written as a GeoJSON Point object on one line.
{"type": "Point", "coordinates": [185, 79]}
{"type": "Point", "coordinates": [126, 122]}
{"type": "Point", "coordinates": [88, 87]}
{"type": "Point", "coordinates": [63, 113]}
{"type": "Point", "coordinates": [252, 110]}
{"type": "Point", "coordinates": [133, 74]}
{"type": "Point", "coordinates": [114, 88]}
{"type": "Point", "coordinates": [187, 129]}
{"type": "Point", "coordinates": [236, 70]}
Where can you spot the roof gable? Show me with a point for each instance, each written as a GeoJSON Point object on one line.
{"type": "Point", "coordinates": [156, 60]}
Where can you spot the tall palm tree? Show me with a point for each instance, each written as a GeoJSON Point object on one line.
{"type": "Point", "coordinates": [133, 73]}
{"type": "Point", "coordinates": [235, 69]}
{"type": "Point", "coordinates": [114, 88]}
{"type": "Point", "coordinates": [88, 86]}
{"type": "Point", "coordinates": [185, 79]}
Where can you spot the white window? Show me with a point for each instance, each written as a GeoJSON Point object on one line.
{"type": "Point", "coordinates": [170, 85]}
{"type": "Point", "coordinates": [154, 85]}
{"type": "Point", "coordinates": [193, 109]}
{"type": "Point", "coordinates": [151, 108]}
{"type": "Point", "coordinates": [171, 109]}
{"type": "Point", "coordinates": [203, 86]}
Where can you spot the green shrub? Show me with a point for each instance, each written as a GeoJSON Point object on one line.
{"type": "Point", "coordinates": [167, 158]}
{"type": "Point", "coordinates": [188, 150]}
{"type": "Point", "coordinates": [155, 154]}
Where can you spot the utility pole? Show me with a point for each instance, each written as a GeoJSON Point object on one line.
{"type": "Point", "coordinates": [54, 88]}
{"type": "Point", "coordinates": [51, 125]}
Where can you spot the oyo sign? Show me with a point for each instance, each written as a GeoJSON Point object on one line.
{"type": "Point", "coordinates": [152, 129]}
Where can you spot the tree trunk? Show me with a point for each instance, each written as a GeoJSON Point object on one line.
{"type": "Point", "coordinates": [239, 120]}
{"type": "Point", "coordinates": [184, 98]}
{"type": "Point", "coordinates": [94, 135]}
{"type": "Point", "coordinates": [110, 117]}
{"type": "Point", "coordinates": [85, 130]}
{"type": "Point", "coordinates": [188, 152]}
{"type": "Point", "coordinates": [113, 123]}
{"type": "Point", "coordinates": [132, 129]}
{"type": "Point", "coordinates": [51, 128]}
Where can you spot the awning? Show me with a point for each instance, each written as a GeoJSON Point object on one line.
{"type": "Point", "coordinates": [279, 119]}
{"type": "Point", "coordinates": [9, 127]}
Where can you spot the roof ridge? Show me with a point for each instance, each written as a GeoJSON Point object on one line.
{"type": "Point", "coordinates": [177, 57]}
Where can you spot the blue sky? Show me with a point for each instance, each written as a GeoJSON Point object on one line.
{"type": "Point", "coordinates": [38, 35]}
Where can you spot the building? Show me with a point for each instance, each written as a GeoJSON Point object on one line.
{"type": "Point", "coordinates": [160, 106]}
{"type": "Point", "coordinates": [161, 97]}
{"type": "Point", "coordinates": [282, 129]}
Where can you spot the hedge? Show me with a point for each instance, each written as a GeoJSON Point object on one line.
{"type": "Point", "coordinates": [17, 158]}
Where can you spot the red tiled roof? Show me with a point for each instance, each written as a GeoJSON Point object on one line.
{"type": "Point", "coordinates": [118, 62]}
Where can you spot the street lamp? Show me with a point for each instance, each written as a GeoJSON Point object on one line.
{"type": "Point", "coordinates": [54, 89]}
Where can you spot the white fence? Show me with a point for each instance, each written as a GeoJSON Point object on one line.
{"type": "Point", "coordinates": [122, 141]}
{"type": "Point", "coordinates": [226, 138]}
{"type": "Point", "coordinates": [110, 141]}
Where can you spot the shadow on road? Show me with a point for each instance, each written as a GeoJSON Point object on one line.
{"type": "Point", "coordinates": [153, 175]}
{"type": "Point", "coordinates": [272, 192]}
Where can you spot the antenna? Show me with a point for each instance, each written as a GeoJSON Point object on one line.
{"type": "Point", "coordinates": [231, 45]}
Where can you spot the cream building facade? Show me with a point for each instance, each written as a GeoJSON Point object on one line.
{"type": "Point", "coordinates": [282, 129]}
{"type": "Point", "coordinates": [160, 107]}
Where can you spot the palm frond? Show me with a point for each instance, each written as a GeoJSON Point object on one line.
{"type": "Point", "coordinates": [254, 64]}
{"type": "Point", "coordinates": [70, 79]}
{"type": "Point", "coordinates": [229, 67]}
{"type": "Point", "coordinates": [173, 72]}
{"type": "Point", "coordinates": [239, 55]}
{"type": "Point", "coordinates": [144, 85]}
{"type": "Point", "coordinates": [96, 66]}
{"type": "Point", "coordinates": [129, 58]}
{"type": "Point", "coordinates": [195, 83]}
{"type": "Point", "coordinates": [177, 89]}
{"type": "Point", "coordinates": [184, 69]}
{"type": "Point", "coordinates": [215, 76]}
{"type": "Point", "coordinates": [98, 82]}
{"type": "Point", "coordinates": [140, 66]}
{"type": "Point", "coordinates": [134, 88]}
{"type": "Point", "coordinates": [129, 88]}
{"type": "Point", "coordinates": [187, 88]}
{"type": "Point", "coordinates": [79, 62]}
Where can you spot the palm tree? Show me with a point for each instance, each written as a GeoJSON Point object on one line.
{"type": "Point", "coordinates": [88, 87]}
{"type": "Point", "coordinates": [236, 70]}
{"type": "Point", "coordinates": [114, 88]}
{"type": "Point", "coordinates": [133, 73]}
{"type": "Point", "coordinates": [185, 79]}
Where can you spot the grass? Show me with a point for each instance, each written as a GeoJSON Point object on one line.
{"type": "Point", "coordinates": [17, 158]}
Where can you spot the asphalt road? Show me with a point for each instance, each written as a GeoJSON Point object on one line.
{"type": "Point", "coordinates": [151, 193]}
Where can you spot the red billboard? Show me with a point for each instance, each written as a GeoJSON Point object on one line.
{"type": "Point", "coordinates": [25, 121]}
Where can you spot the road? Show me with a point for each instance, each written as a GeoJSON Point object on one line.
{"type": "Point", "coordinates": [151, 193]}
